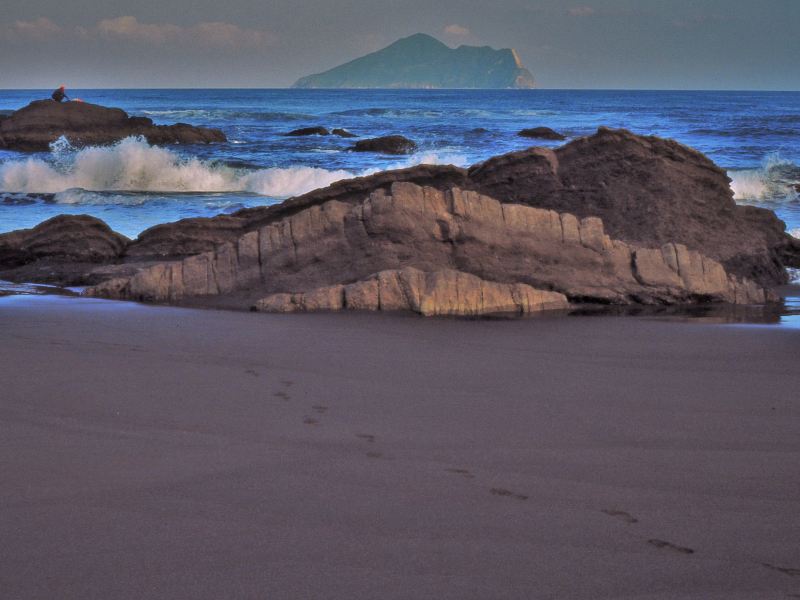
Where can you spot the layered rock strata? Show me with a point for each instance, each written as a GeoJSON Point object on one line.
{"type": "Point", "coordinates": [435, 232]}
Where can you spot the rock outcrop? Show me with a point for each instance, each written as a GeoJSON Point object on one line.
{"type": "Point", "coordinates": [542, 133]}
{"type": "Point", "coordinates": [648, 191]}
{"type": "Point", "coordinates": [60, 250]}
{"type": "Point", "coordinates": [612, 218]}
{"type": "Point", "coordinates": [445, 292]}
{"type": "Point", "coordinates": [454, 235]}
{"type": "Point", "coordinates": [42, 122]}
{"type": "Point", "coordinates": [388, 144]}
{"type": "Point", "coordinates": [422, 61]}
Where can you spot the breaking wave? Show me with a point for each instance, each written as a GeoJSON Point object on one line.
{"type": "Point", "coordinates": [776, 180]}
{"type": "Point", "coordinates": [133, 165]}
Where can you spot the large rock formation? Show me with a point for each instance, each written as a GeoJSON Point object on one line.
{"type": "Point", "coordinates": [422, 61]}
{"type": "Point", "coordinates": [612, 218]}
{"type": "Point", "coordinates": [42, 122]}
{"type": "Point", "coordinates": [472, 255]}
{"type": "Point", "coordinates": [647, 190]}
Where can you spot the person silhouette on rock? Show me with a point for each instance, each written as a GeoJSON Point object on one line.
{"type": "Point", "coordinates": [59, 95]}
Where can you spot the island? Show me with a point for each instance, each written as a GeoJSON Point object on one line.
{"type": "Point", "coordinates": [421, 61]}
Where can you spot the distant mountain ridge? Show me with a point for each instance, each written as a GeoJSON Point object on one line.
{"type": "Point", "coordinates": [421, 61]}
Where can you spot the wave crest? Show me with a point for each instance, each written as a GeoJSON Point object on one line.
{"type": "Point", "coordinates": [133, 165]}
{"type": "Point", "coordinates": [775, 180]}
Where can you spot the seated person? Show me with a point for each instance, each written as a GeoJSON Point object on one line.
{"type": "Point", "coordinates": [60, 94]}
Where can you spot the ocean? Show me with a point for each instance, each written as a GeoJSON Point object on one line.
{"type": "Point", "coordinates": [755, 136]}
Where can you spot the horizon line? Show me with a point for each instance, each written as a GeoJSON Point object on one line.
{"type": "Point", "coordinates": [521, 90]}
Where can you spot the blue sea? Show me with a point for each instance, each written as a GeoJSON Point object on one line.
{"type": "Point", "coordinates": [133, 186]}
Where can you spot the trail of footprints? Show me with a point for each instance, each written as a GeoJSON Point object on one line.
{"type": "Point", "coordinates": [620, 515]}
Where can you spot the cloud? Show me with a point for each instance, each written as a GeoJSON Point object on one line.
{"type": "Point", "coordinates": [456, 30]}
{"type": "Point", "coordinates": [581, 11]}
{"type": "Point", "coordinates": [37, 29]}
{"type": "Point", "coordinates": [129, 29]}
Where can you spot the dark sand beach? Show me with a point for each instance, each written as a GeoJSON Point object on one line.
{"type": "Point", "coordinates": [174, 453]}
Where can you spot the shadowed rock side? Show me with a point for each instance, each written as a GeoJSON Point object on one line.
{"type": "Point", "coordinates": [470, 253]}
{"type": "Point", "coordinates": [60, 250]}
{"type": "Point", "coordinates": [648, 191]}
{"type": "Point", "coordinates": [42, 122]}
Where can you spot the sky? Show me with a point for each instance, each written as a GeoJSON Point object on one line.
{"type": "Point", "coordinates": [605, 44]}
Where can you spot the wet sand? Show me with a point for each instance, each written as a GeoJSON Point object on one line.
{"type": "Point", "coordinates": [171, 453]}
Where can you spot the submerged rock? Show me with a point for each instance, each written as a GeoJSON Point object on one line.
{"type": "Point", "coordinates": [308, 131]}
{"type": "Point", "coordinates": [542, 133]}
{"type": "Point", "coordinates": [343, 133]}
{"type": "Point", "coordinates": [389, 144]}
{"type": "Point", "coordinates": [36, 126]}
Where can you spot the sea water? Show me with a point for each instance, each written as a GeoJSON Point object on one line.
{"type": "Point", "coordinates": [132, 185]}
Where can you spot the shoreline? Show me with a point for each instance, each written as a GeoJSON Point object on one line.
{"type": "Point", "coordinates": [195, 454]}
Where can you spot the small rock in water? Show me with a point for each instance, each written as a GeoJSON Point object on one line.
{"type": "Point", "coordinates": [389, 144]}
{"type": "Point", "coordinates": [343, 133]}
{"type": "Point", "coordinates": [541, 133]}
{"type": "Point", "coordinates": [308, 131]}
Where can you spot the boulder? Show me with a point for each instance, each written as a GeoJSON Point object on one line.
{"type": "Point", "coordinates": [60, 250]}
{"type": "Point", "coordinates": [308, 131]}
{"type": "Point", "coordinates": [42, 122]}
{"type": "Point", "coordinates": [343, 133]}
{"type": "Point", "coordinates": [541, 133]}
{"type": "Point", "coordinates": [389, 144]}
{"type": "Point", "coordinates": [477, 255]}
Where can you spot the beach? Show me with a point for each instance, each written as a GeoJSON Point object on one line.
{"type": "Point", "coordinates": [178, 453]}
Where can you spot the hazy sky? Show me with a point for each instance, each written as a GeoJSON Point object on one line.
{"type": "Point", "coordinates": [673, 44]}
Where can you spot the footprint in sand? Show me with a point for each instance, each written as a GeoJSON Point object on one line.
{"type": "Point", "coordinates": [374, 455]}
{"type": "Point", "coordinates": [366, 436]}
{"type": "Point", "coordinates": [252, 372]}
{"type": "Point", "coordinates": [282, 396]}
{"type": "Point", "coordinates": [791, 572]}
{"type": "Point", "coordinates": [287, 382]}
{"type": "Point", "coordinates": [621, 514]}
{"type": "Point", "coordinates": [507, 493]}
{"type": "Point", "coordinates": [463, 472]}
{"type": "Point", "coordinates": [320, 409]}
{"type": "Point", "coordinates": [670, 546]}
{"type": "Point", "coordinates": [310, 421]}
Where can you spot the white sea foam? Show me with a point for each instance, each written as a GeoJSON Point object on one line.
{"type": "Point", "coordinates": [134, 165]}
{"type": "Point", "coordinates": [775, 180]}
